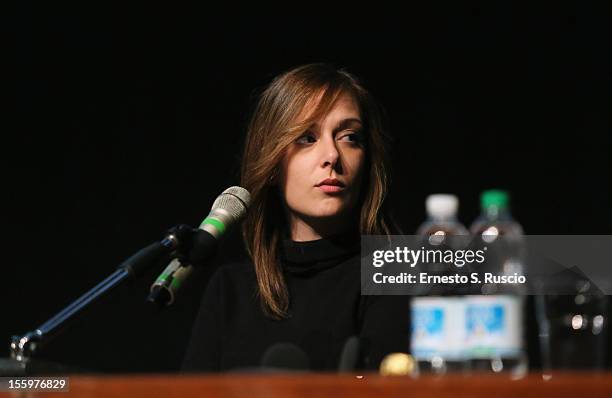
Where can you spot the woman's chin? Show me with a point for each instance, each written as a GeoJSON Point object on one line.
{"type": "Point", "coordinates": [329, 212]}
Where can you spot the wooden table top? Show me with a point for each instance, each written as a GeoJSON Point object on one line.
{"type": "Point", "coordinates": [574, 385]}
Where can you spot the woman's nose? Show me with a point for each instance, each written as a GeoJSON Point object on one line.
{"type": "Point", "coordinates": [330, 153]}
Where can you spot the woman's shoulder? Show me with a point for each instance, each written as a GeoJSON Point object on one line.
{"type": "Point", "coordinates": [232, 285]}
{"type": "Point", "coordinates": [234, 273]}
{"type": "Point", "coordinates": [236, 268]}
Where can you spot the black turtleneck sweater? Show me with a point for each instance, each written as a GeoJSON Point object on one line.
{"type": "Point", "coordinates": [326, 308]}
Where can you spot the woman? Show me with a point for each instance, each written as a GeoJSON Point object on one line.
{"type": "Point", "coordinates": [315, 164]}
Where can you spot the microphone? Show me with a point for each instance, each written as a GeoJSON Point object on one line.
{"type": "Point", "coordinates": [285, 356]}
{"type": "Point", "coordinates": [228, 209]}
{"type": "Point", "coordinates": [349, 358]}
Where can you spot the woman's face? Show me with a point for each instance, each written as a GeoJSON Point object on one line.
{"type": "Point", "coordinates": [322, 170]}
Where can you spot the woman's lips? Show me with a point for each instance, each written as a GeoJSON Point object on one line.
{"type": "Point", "coordinates": [330, 188]}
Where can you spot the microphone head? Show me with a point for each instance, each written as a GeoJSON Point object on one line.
{"type": "Point", "coordinates": [229, 208]}
{"type": "Point", "coordinates": [285, 356]}
{"type": "Point", "coordinates": [234, 200]}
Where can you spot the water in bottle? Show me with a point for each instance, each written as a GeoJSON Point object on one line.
{"type": "Point", "coordinates": [495, 312]}
{"type": "Point", "coordinates": [438, 315]}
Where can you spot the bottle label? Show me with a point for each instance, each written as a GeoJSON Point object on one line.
{"type": "Point", "coordinates": [438, 328]}
{"type": "Point", "coordinates": [494, 326]}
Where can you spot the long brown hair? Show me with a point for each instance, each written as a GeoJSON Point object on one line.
{"type": "Point", "coordinates": [273, 127]}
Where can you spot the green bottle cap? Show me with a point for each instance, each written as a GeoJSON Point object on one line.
{"type": "Point", "coordinates": [494, 198]}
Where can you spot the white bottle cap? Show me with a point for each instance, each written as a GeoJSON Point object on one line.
{"type": "Point", "coordinates": [442, 206]}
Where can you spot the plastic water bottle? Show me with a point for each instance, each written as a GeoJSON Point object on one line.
{"type": "Point", "coordinates": [438, 316]}
{"type": "Point", "coordinates": [495, 314]}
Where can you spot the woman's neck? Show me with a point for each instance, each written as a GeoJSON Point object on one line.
{"type": "Point", "coordinates": [302, 230]}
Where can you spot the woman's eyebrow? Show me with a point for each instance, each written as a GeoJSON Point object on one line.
{"type": "Point", "coordinates": [341, 125]}
{"type": "Point", "coordinates": [346, 123]}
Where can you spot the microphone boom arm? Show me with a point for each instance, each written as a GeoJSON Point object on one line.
{"type": "Point", "coordinates": [22, 347]}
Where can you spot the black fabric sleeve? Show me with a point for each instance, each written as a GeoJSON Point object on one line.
{"type": "Point", "coordinates": [385, 328]}
{"type": "Point", "coordinates": [204, 348]}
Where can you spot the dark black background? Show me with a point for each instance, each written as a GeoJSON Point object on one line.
{"type": "Point", "coordinates": [126, 120]}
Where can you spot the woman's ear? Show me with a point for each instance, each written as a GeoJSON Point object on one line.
{"type": "Point", "coordinates": [275, 176]}
{"type": "Point", "coordinates": [273, 179]}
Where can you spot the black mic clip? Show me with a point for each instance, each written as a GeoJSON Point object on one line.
{"type": "Point", "coordinates": [181, 239]}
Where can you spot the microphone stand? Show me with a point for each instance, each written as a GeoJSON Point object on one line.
{"type": "Point", "coordinates": [176, 240]}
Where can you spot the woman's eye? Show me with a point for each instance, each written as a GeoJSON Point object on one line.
{"type": "Point", "coordinates": [352, 137]}
{"type": "Point", "coordinates": [306, 139]}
